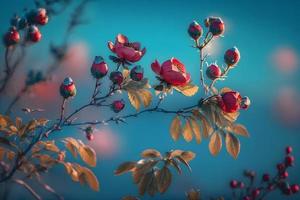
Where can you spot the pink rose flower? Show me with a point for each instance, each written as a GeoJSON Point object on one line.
{"type": "Point", "coordinates": [172, 71]}
{"type": "Point", "coordinates": [125, 50]}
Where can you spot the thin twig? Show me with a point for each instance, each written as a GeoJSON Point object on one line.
{"type": "Point", "coordinates": [26, 186]}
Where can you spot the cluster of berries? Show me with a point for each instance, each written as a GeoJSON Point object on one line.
{"type": "Point", "coordinates": [29, 24]}
{"type": "Point", "coordinates": [269, 183]}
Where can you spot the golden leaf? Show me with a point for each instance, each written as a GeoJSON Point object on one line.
{"type": "Point", "coordinates": [13, 129]}
{"type": "Point", "coordinates": [187, 90]}
{"type": "Point", "coordinates": [232, 145]}
{"type": "Point", "coordinates": [2, 153]}
{"type": "Point", "coordinates": [215, 144]}
{"type": "Point", "coordinates": [196, 129]}
{"type": "Point", "coordinates": [42, 122]}
{"type": "Point", "coordinates": [71, 144]}
{"type": "Point", "coordinates": [88, 155]}
{"type": "Point", "coordinates": [175, 153]}
{"type": "Point", "coordinates": [125, 73]}
{"type": "Point", "coordinates": [184, 162]}
{"type": "Point", "coordinates": [90, 178]}
{"type": "Point", "coordinates": [10, 155]}
{"type": "Point", "coordinates": [144, 182]}
{"type": "Point", "coordinates": [175, 164]}
{"type": "Point", "coordinates": [188, 155]}
{"type": "Point", "coordinates": [18, 122]}
{"type": "Point", "coordinates": [125, 167]}
{"type": "Point", "coordinates": [239, 129]}
{"type": "Point", "coordinates": [164, 179]}
{"type": "Point", "coordinates": [206, 127]}
{"type": "Point", "coordinates": [187, 131]}
{"type": "Point", "coordinates": [150, 153]}
{"type": "Point", "coordinates": [193, 195]}
{"type": "Point", "coordinates": [175, 128]}
{"type": "Point", "coordinates": [50, 146]}
{"type": "Point", "coordinates": [134, 99]}
{"type": "Point", "coordinates": [4, 121]}
{"type": "Point", "coordinates": [145, 96]}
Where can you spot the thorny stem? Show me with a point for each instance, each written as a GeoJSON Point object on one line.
{"type": "Point", "coordinates": [62, 110]}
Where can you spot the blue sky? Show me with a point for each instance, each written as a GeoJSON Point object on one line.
{"type": "Point", "coordinates": [257, 28]}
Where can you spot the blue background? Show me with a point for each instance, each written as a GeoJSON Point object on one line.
{"type": "Point", "coordinates": [255, 27]}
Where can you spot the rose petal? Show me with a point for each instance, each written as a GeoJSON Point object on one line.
{"type": "Point", "coordinates": [155, 66]}
{"type": "Point", "coordinates": [122, 39]}
{"type": "Point", "coordinates": [111, 46]}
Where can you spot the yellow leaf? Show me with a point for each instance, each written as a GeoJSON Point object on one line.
{"type": "Point", "coordinates": [164, 179]}
{"type": "Point", "coordinates": [4, 121]}
{"type": "Point", "coordinates": [125, 73]}
{"type": "Point", "coordinates": [125, 167]}
{"type": "Point", "coordinates": [145, 96]}
{"type": "Point", "coordinates": [175, 128]}
{"type": "Point", "coordinates": [239, 129]}
{"type": "Point", "coordinates": [50, 146]}
{"type": "Point", "coordinates": [90, 178]}
{"type": "Point", "coordinates": [187, 132]}
{"type": "Point", "coordinates": [188, 156]}
{"type": "Point", "coordinates": [88, 155]}
{"type": "Point", "coordinates": [232, 145]}
{"type": "Point", "coordinates": [71, 144]}
{"type": "Point", "coordinates": [206, 127]}
{"type": "Point", "coordinates": [187, 90]}
{"type": "Point", "coordinates": [215, 144]}
{"type": "Point", "coordinates": [134, 99]}
{"type": "Point", "coordinates": [151, 153]}
{"type": "Point", "coordinates": [196, 129]}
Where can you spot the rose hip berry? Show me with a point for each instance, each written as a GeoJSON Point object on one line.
{"type": "Point", "coordinates": [41, 17]}
{"type": "Point", "coordinates": [295, 188]}
{"type": "Point", "coordinates": [266, 177]}
{"type": "Point", "coordinates": [89, 136]}
{"type": "Point", "coordinates": [288, 150]}
{"type": "Point", "coordinates": [216, 25]}
{"type": "Point", "coordinates": [67, 88]}
{"type": "Point", "coordinates": [118, 105]}
{"type": "Point", "coordinates": [289, 160]}
{"type": "Point", "coordinates": [34, 34]}
{"type": "Point", "coordinates": [213, 72]}
{"type": "Point", "coordinates": [99, 68]}
{"type": "Point", "coordinates": [280, 167]}
{"type": "Point", "coordinates": [137, 73]}
{"type": "Point", "coordinates": [195, 30]}
{"type": "Point", "coordinates": [255, 193]}
{"type": "Point", "coordinates": [12, 37]}
{"type": "Point", "coordinates": [116, 77]}
{"type": "Point", "coordinates": [284, 174]}
{"type": "Point", "coordinates": [234, 184]}
{"type": "Point", "coordinates": [246, 198]}
{"type": "Point", "coordinates": [232, 56]}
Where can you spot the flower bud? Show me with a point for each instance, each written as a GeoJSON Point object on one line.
{"type": "Point", "coordinates": [34, 34]}
{"type": "Point", "coordinates": [12, 37]}
{"type": "Point", "coordinates": [67, 88]}
{"type": "Point", "coordinates": [118, 105]}
{"type": "Point", "coordinates": [216, 25]}
{"type": "Point", "coordinates": [99, 68]}
{"type": "Point", "coordinates": [137, 73]}
{"type": "Point", "coordinates": [116, 77]}
{"type": "Point", "coordinates": [232, 56]}
{"type": "Point", "coordinates": [213, 72]}
{"type": "Point", "coordinates": [245, 103]}
{"type": "Point", "coordinates": [195, 30]}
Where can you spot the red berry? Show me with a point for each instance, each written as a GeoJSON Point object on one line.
{"type": "Point", "coordinates": [12, 37]}
{"type": "Point", "coordinates": [255, 193]}
{"type": "Point", "coordinates": [289, 160]}
{"type": "Point", "coordinates": [116, 77]}
{"type": "Point", "coordinates": [195, 30]}
{"type": "Point", "coordinates": [34, 34]}
{"type": "Point", "coordinates": [266, 177]}
{"type": "Point", "coordinates": [99, 68]}
{"type": "Point", "coordinates": [230, 102]}
{"type": "Point", "coordinates": [295, 188]}
{"type": "Point", "coordinates": [67, 88]}
{"type": "Point", "coordinates": [216, 25]}
{"type": "Point", "coordinates": [89, 136]}
{"type": "Point", "coordinates": [245, 103]}
{"type": "Point", "coordinates": [213, 72]}
{"type": "Point", "coordinates": [288, 150]}
{"type": "Point", "coordinates": [280, 167]}
{"type": "Point", "coordinates": [234, 184]}
{"type": "Point", "coordinates": [118, 105]}
{"type": "Point", "coordinates": [41, 17]}
{"type": "Point", "coordinates": [246, 198]}
{"type": "Point", "coordinates": [284, 175]}
{"type": "Point", "coordinates": [232, 56]}
{"type": "Point", "coordinates": [137, 73]}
